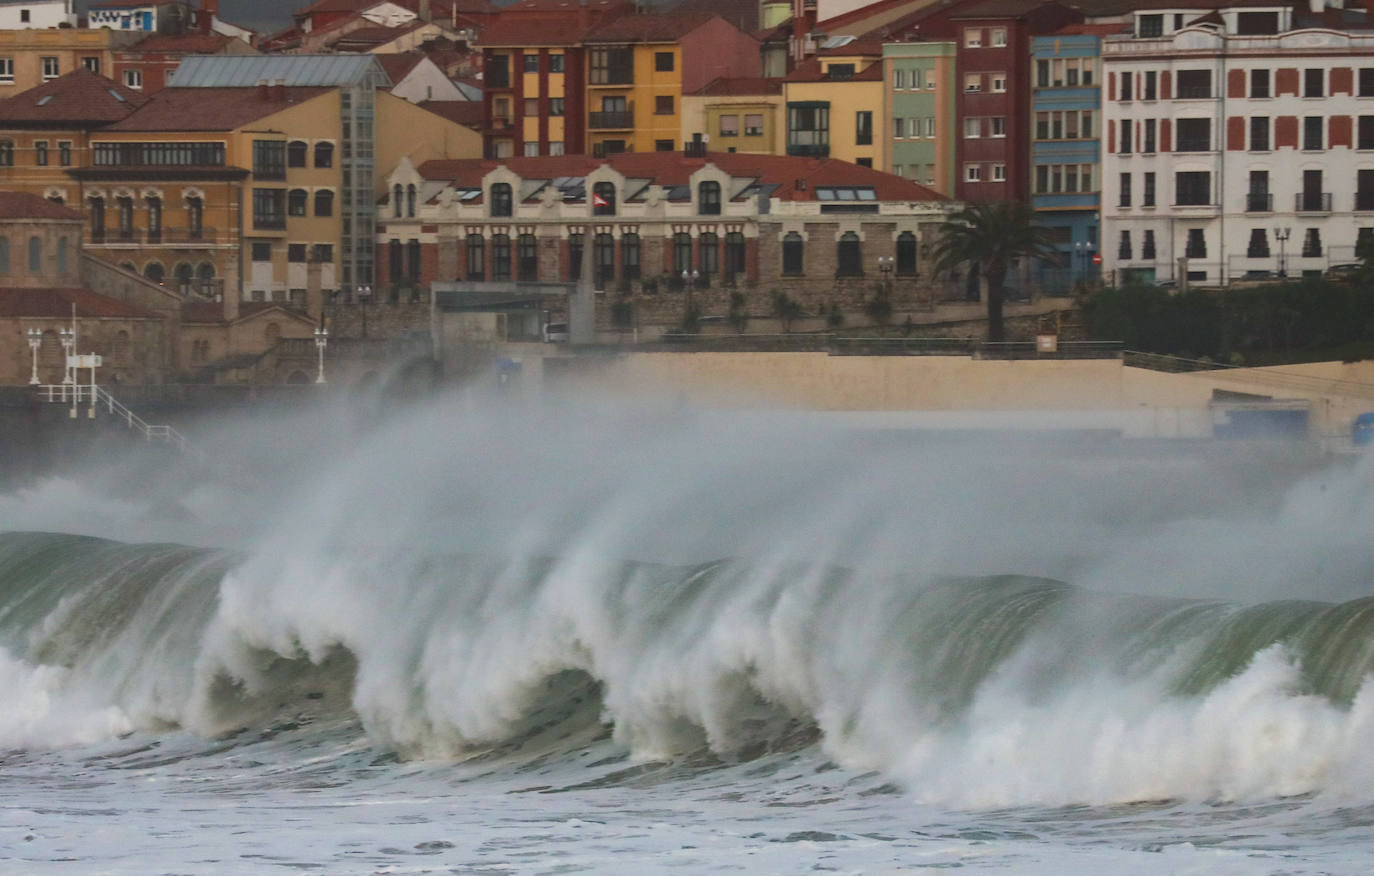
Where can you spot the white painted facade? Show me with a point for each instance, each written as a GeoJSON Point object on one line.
{"type": "Point", "coordinates": [150, 18]}
{"type": "Point", "coordinates": [1280, 150]}
{"type": "Point", "coordinates": [426, 81]}
{"type": "Point", "coordinates": [36, 14]}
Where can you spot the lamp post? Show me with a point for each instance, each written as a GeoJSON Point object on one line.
{"type": "Point", "coordinates": [1281, 235]}
{"type": "Point", "coordinates": [35, 341]}
{"type": "Point", "coordinates": [689, 282]}
{"type": "Point", "coordinates": [68, 338]}
{"type": "Point", "coordinates": [321, 341]}
{"type": "Point", "coordinates": [885, 268]}
{"type": "Point", "coordinates": [364, 296]}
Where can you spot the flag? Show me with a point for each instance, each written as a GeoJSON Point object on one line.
{"type": "Point", "coordinates": [598, 201]}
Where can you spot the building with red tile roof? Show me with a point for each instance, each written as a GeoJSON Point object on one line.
{"type": "Point", "coordinates": [147, 65]}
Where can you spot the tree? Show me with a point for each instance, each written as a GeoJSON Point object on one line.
{"type": "Point", "coordinates": [738, 317]}
{"type": "Point", "coordinates": [787, 310]}
{"type": "Point", "coordinates": [992, 236]}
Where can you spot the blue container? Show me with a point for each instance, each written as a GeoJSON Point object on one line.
{"type": "Point", "coordinates": [1364, 429]}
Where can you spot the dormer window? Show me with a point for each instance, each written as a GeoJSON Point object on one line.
{"type": "Point", "coordinates": [1148, 26]}
{"type": "Point", "coordinates": [841, 72]}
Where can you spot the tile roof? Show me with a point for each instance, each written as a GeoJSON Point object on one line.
{"type": "Point", "coordinates": [127, 4]}
{"type": "Point", "coordinates": [674, 168]}
{"type": "Point", "coordinates": [561, 30]}
{"type": "Point", "coordinates": [866, 45]}
{"type": "Point", "coordinates": [663, 27]}
{"type": "Point", "coordinates": [23, 205]}
{"type": "Point", "coordinates": [464, 112]}
{"type": "Point", "coordinates": [810, 71]}
{"type": "Point", "coordinates": [399, 65]}
{"type": "Point", "coordinates": [56, 303]}
{"type": "Point", "coordinates": [725, 87]}
{"type": "Point", "coordinates": [374, 36]}
{"type": "Point", "coordinates": [77, 97]}
{"type": "Point", "coordinates": [211, 109]}
{"type": "Point", "coordinates": [189, 43]}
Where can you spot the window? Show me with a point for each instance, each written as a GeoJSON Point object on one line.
{"type": "Point", "coordinates": [1365, 139]}
{"type": "Point", "coordinates": [398, 201]}
{"type": "Point", "coordinates": [269, 208]}
{"type": "Point", "coordinates": [1125, 200]}
{"type": "Point", "coordinates": [531, 63]}
{"type": "Point", "coordinates": [1196, 247]}
{"type": "Point", "coordinates": [324, 154]}
{"type": "Point", "coordinates": [1194, 84]}
{"type": "Point", "coordinates": [500, 257]}
{"type": "Point", "coordinates": [51, 69]}
{"type": "Point", "coordinates": [863, 128]}
{"type": "Point", "coordinates": [531, 149]}
{"type": "Point", "coordinates": [1149, 26]}
{"type": "Point", "coordinates": [729, 126]}
{"type": "Point", "coordinates": [125, 207]}
{"type": "Point", "coordinates": [973, 83]}
{"type": "Point", "coordinates": [261, 251]}
{"type": "Point", "coordinates": [396, 261]}
{"type": "Point", "coordinates": [898, 79]}
{"type": "Point", "coordinates": [1312, 82]}
{"type": "Point", "coordinates": [410, 201]}
{"type": "Point", "coordinates": [1259, 83]}
{"type": "Point", "coordinates": [555, 106]}
{"type": "Point", "coordinates": [999, 37]}
{"type": "Point", "coordinates": [1259, 244]}
{"type": "Point", "coordinates": [849, 256]}
{"type": "Point", "coordinates": [324, 203]}
{"type": "Point", "coordinates": [1312, 243]}
{"type": "Point", "coordinates": [64, 153]}
{"type": "Point", "coordinates": [1126, 126]}
{"type": "Point", "coordinates": [1042, 74]}
{"type": "Point", "coordinates": [999, 173]}
{"type": "Point", "coordinates": [973, 128]}
{"type": "Point", "coordinates": [629, 255]}
{"type": "Point", "coordinates": [708, 198]}
{"type": "Point", "coordinates": [999, 83]}
{"type": "Point", "coordinates": [295, 252]}
{"type": "Point", "coordinates": [531, 107]}
{"type": "Point", "coordinates": [603, 199]}
{"type": "Point", "coordinates": [1258, 199]}
{"type": "Point", "coordinates": [753, 124]}
{"type": "Point", "coordinates": [555, 147]}
{"type": "Point", "coordinates": [40, 153]}
{"type": "Point", "coordinates": [1147, 246]}
{"type": "Point", "coordinates": [1194, 135]}
{"type": "Point", "coordinates": [708, 253]}
{"type": "Point", "coordinates": [1148, 146]}
{"type": "Point", "coordinates": [663, 105]}
{"type": "Point", "coordinates": [296, 152]}
{"type": "Point", "coordinates": [295, 202]}
{"type": "Point", "coordinates": [930, 127]}
{"type": "Point", "coordinates": [91, 63]}
{"type": "Point", "coordinates": [1257, 23]}
{"type": "Point", "coordinates": [1259, 134]}
{"type": "Point", "coordinates": [898, 127]}
{"type": "Point", "coordinates": [930, 80]}
{"type": "Point", "coordinates": [269, 159]}
{"type": "Point", "coordinates": [1364, 190]}
{"type": "Point", "coordinates": [1126, 86]}
{"type": "Point", "coordinates": [973, 173]}
{"type": "Point", "coordinates": [502, 200]}
{"type": "Point", "coordinates": [35, 255]}
{"type": "Point", "coordinates": [476, 252]}
{"type": "Point", "coordinates": [906, 254]}
{"type": "Point", "coordinates": [527, 258]}
{"type": "Point", "coordinates": [682, 252]}
{"type": "Point", "coordinates": [1193, 188]}
{"type": "Point", "coordinates": [808, 129]}
{"type": "Point", "coordinates": [1312, 132]}
{"type": "Point", "coordinates": [1147, 195]}
{"type": "Point", "coordinates": [133, 79]}
{"type": "Point", "coordinates": [792, 254]}
{"type": "Point", "coordinates": [663, 62]}
{"type": "Point", "coordinates": [973, 38]}
{"type": "Point", "coordinates": [1149, 86]}
{"type": "Point", "coordinates": [612, 66]}
{"type": "Point", "coordinates": [1123, 249]}
{"type": "Point", "coordinates": [556, 63]}
{"type": "Point", "coordinates": [496, 71]}
{"type": "Point", "coordinates": [23, 16]}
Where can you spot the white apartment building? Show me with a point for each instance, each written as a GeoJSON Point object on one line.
{"type": "Point", "coordinates": [1237, 145]}
{"type": "Point", "coordinates": [24, 14]}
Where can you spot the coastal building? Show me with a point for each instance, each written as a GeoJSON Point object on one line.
{"type": "Point", "coordinates": [737, 115]}
{"type": "Point", "coordinates": [753, 225]}
{"type": "Point", "coordinates": [835, 104]}
{"type": "Point", "coordinates": [37, 13]}
{"type": "Point", "coordinates": [1237, 143]}
{"type": "Point", "coordinates": [919, 105]}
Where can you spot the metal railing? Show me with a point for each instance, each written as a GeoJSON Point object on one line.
{"type": "Point", "coordinates": [1312, 202]}
{"type": "Point", "coordinates": [1263, 377]}
{"type": "Point", "coordinates": [97, 396]}
{"type": "Point", "coordinates": [1256, 202]}
{"type": "Point", "coordinates": [611, 119]}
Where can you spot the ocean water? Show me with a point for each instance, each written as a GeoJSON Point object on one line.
{"type": "Point", "coordinates": [469, 635]}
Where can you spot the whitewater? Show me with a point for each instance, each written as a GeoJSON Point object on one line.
{"type": "Point", "coordinates": [475, 634]}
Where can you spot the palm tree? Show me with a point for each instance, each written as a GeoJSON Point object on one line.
{"type": "Point", "coordinates": [992, 236]}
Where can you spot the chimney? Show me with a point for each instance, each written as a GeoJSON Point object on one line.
{"type": "Point", "coordinates": [426, 12]}
{"type": "Point", "coordinates": [209, 9]}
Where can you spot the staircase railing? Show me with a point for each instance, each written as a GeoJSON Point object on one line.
{"type": "Point", "coordinates": [98, 396]}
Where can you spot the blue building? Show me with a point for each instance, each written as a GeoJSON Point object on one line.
{"type": "Point", "coordinates": [1066, 127]}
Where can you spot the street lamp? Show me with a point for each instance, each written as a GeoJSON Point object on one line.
{"type": "Point", "coordinates": [1281, 235]}
{"type": "Point", "coordinates": [885, 268]}
{"type": "Point", "coordinates": [364, 296]}
{"type": "Point", "coordinates": [68, 338]}
{"type": "Point", "coordinates": [321, 341]}
{"type": "Point", "coordinates": [35, 341]}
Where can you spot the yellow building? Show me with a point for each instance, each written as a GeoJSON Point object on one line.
{"type": "Point", "coordinates": [738, 115]}
{"type": "Point", "coordinates": [834, 105]}
{"type": "Point", "coordinates": [29, 58]}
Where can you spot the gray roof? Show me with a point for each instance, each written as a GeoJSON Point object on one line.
{"type": "Point", "coordinates": [228, 71]}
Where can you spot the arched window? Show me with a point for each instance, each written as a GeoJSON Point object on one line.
{"type": "Point", "coordinates": [500, 256]}
{"type": "Point", "coordinates": [629, 256]}
{"type": "Point", "coordinates": [501, 204]}
{"type": "Point", "coordinates": [477, 251]}
{"type": "Point", "coordinates": [398, 196]}
{"type": "Point", "coordinates": [792, 246]}
{"type": "Point", "coordinates": [296, 200]}
{"type": "Point", "coordinates": [6, 153]}
{"type": "Point", "coordinates": [324, 203]}
{"type": "Point", "coordinates": [734, 255]}
{"type": "Point", "coordinates": [603, 199]}
{"type": "Point", "coordinates": [603, 250]}
{"type": "Point", "coordinates": [296, 151]}
{"type": "Point", "coordinates": [324, 154]}
{"type": "Point", "coordinates": [395, 257]}
{"type": "Point", "coordinates": [126, 217]}
{"type": "Point", "coordinates": [682, 252]}
{"type": "Point", "coordinates": [708, 253]}
{"type": "Point", "coordinates": [62, 255]}
{"type": "Point", "coordinates": [97, 219]}
{"type": "Point", "coordinates": [154, 206]}
{"type": "Point", "coordinates": [195, 217]}
{"type": "Point", "coordinates": [410, 201]}
{"type": "Point", "coordinates": [527, 257]}
{"type": "Point", "coordinates": [35, 255]}
{"type": "Point", "coordinates": [205, 278]}
{"type": "Point", "coordinates": [154, 271]}
{"type": "Point", "coordinates": [708, 198]}
{"type": "Point", "coordinates": [186, 278]}
{"type": "Point", "coordinates": [906, 254]}
{"type": "Point", "coordinates": [849, 256]}
{"type": "Point", "coordinates": [4, 255]}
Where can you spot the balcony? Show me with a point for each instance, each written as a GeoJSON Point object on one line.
{"type": "Point", "coordinates": [190, 236]}
{"type": "Point", "coordinates": [611, 120]}
{"type": "Point", "coordinates": [500, 123]}
{"type": "Point", "coordinates": [809, 147]}
{"type": "Point", "coordinates": [1259, 202]}
{"type": "Point", "coordinates": [1194, 144]}
{"type": "Point", "coordinates": [1364, 201]}
{"type": "Point", "coordinates": [1312, 202]}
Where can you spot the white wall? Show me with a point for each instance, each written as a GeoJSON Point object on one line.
{"type": "Point", "coordinates": [41, 13]}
